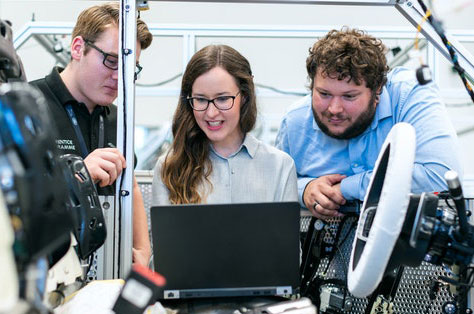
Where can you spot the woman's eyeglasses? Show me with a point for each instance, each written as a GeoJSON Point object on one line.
{"type": "Point", "coordinates": [221, 102]}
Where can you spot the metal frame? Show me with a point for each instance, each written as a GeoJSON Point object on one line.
{"type": "Point", "coordinates": [414, 16]}
{"type": "Point", "coordinates": [48, 43]}
{"type": "Point", "coordinates": [406, 8]}
{"type": "Point", "coordinates": [190, 33]}
{"type": "Point", "coordinates": [122, 252]}
{"type": "Point", "coordinates": [34, 28]}
{"type": "Point", "coordinates": [125, 142]}
{"type": "Point", "coordinates": [328, 2]}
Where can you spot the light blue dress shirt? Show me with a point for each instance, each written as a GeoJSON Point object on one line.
{"type": "Point", "coordinates": [257, 172]}
{"type": "Point", "coordinates": [402, 100]}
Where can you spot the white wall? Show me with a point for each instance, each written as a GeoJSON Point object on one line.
{"type": "Point", "coordinates": [276, 62]}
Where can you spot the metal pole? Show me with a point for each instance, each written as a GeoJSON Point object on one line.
{"type": "Point", "coordinates": [44, 40]}
{"type": "Point", "coordinates": [125, 133]}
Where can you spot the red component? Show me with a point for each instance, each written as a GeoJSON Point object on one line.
{"type": "Point", "coordinates": [149, 274]}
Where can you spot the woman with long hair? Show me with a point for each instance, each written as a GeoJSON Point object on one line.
{"type": "Point", "coordinates": [213, 158]}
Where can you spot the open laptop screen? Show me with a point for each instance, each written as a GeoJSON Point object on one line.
{"type": "Point", "coordinates": [227, 249]}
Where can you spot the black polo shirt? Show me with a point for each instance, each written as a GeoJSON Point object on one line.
{"type": "Point", "coordinates": [57, 97]}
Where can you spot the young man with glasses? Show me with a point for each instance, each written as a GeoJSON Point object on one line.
{"type": "Point", "coordinates": [80, 99]}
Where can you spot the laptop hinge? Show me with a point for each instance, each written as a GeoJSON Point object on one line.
{"type": "Point", "coordinates": [226, 292]}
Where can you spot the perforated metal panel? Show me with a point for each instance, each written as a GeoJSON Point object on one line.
{"type": "Point", "coordinates": [414, 287]}
{"type": "Point", "coordinates": [337, 267]}
{"type": "Point", "coordinates": [144, 179]}
{"type": "Point", "coordinates": [413, 291]}
{"type": "Point", "coordinates": [92, 273]}
{"type": "Point", "coordinates": [146, 192]}
{"type": "Point", "coordinates": [144, 182]}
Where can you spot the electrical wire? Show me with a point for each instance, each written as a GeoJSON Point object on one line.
{"type": "Point", "coordinates": [274, 89]}
{"type": "Point", "coordinates": [459, 105]}
{"type": "Point", "coordinates": [418, 31]}
{"type": "Point", "coordinates": [432, 294]}
{"type": "Point", "coordinates": [160, 83]}
{"type": "Point", "coordinates": [464, 286]}
{"type": "Point", "coordinates": [90, 261]}
{"type": "Point", "coordinates": [280, 91]}
{"type": "Point", "coordinates": [454, 58]}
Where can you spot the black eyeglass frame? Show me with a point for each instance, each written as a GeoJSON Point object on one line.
{"type": "Point", "coordinates": [105, 54]}
{"type": "Point", "coordinates": [191, 100]}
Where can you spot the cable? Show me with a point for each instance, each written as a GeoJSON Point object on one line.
{"type": "Point", "coordinates": [459, 105]}
{"type": "Point", "coordinates": [90, 261]}
{"type": "Point", "coordinates": [434, 289]}
{"type": "Point", "coordinates": [280, 91]}
{"type": "Point", "coordinates": [160, 83]}
{"type": "Point", "coordinates": [283, 92]}
{"type": "Point", "coordinates": [418, 31]}
{"type": "Point", "coordinates": [454, 58]}
{"type": "Point", "coordinates": [423, 73]}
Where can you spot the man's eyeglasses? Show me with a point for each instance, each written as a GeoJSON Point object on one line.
{"type": "Point", "coordinates": [111, 61]}
{"type": "Point", "coordinates": [221, 102]}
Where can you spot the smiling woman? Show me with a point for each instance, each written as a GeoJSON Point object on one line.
{"type": "Point", "coordinates": [219, 123]}
{"type": "Point", "coordinates": [213, 159]}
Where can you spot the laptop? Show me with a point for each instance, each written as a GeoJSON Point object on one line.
{"type": "Point", "coordinates": [227, 250]}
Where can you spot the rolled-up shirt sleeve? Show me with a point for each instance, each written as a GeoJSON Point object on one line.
{"type": "Point", "coordinates": [437, 147]}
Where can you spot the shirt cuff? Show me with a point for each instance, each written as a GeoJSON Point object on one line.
{"type": "Point", "coordinates": [350, 187]}
{"type": "Point", "coordinates": [302, 183]}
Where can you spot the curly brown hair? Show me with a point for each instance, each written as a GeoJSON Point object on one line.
{"type": "Point", "coordinates": [92, 22]}
{"type": "Point", "coordinates": [349, 54]}
{"type": "Point", "coordinates": [187, 164]}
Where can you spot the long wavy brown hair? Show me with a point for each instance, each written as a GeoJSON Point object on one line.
{"type": "Point", "coordinates": [187, 165]}
{"type": "Point", "coordinates": [349, 54]}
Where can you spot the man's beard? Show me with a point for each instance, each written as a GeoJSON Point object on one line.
{"type": "Point", "coordinates": [357, 127]}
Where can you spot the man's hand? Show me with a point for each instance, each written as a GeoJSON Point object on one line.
{"type": "Point", "coordinates": [140, 256]}
{"type": "Point", "coordinates": [323, 196]}
{"type": "Point", "coordinates": [105, 165]}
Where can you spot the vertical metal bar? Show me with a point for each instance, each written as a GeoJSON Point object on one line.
{"type": "Point", "coordinates": [125, 135]}
{"type": "Point", "coordinates": [189, 48]}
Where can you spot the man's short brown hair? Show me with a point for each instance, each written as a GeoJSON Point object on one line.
{"type": "Point", "coordinates": [93, 21]}
{"type": "Point", "coordinates": [349, 54]}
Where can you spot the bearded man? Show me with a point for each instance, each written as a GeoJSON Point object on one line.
{"type": "Point", "coordinates": [335, 134]}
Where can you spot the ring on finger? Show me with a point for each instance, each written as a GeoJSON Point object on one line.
{"type": "Point", "coordinates": [316, 203]}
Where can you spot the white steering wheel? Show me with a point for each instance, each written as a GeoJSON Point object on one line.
{"type": "Point", "coordinates": [383, 211]}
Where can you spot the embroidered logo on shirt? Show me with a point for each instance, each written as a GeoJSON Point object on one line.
{"type": "Point", "coordinates": [64, 144]}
